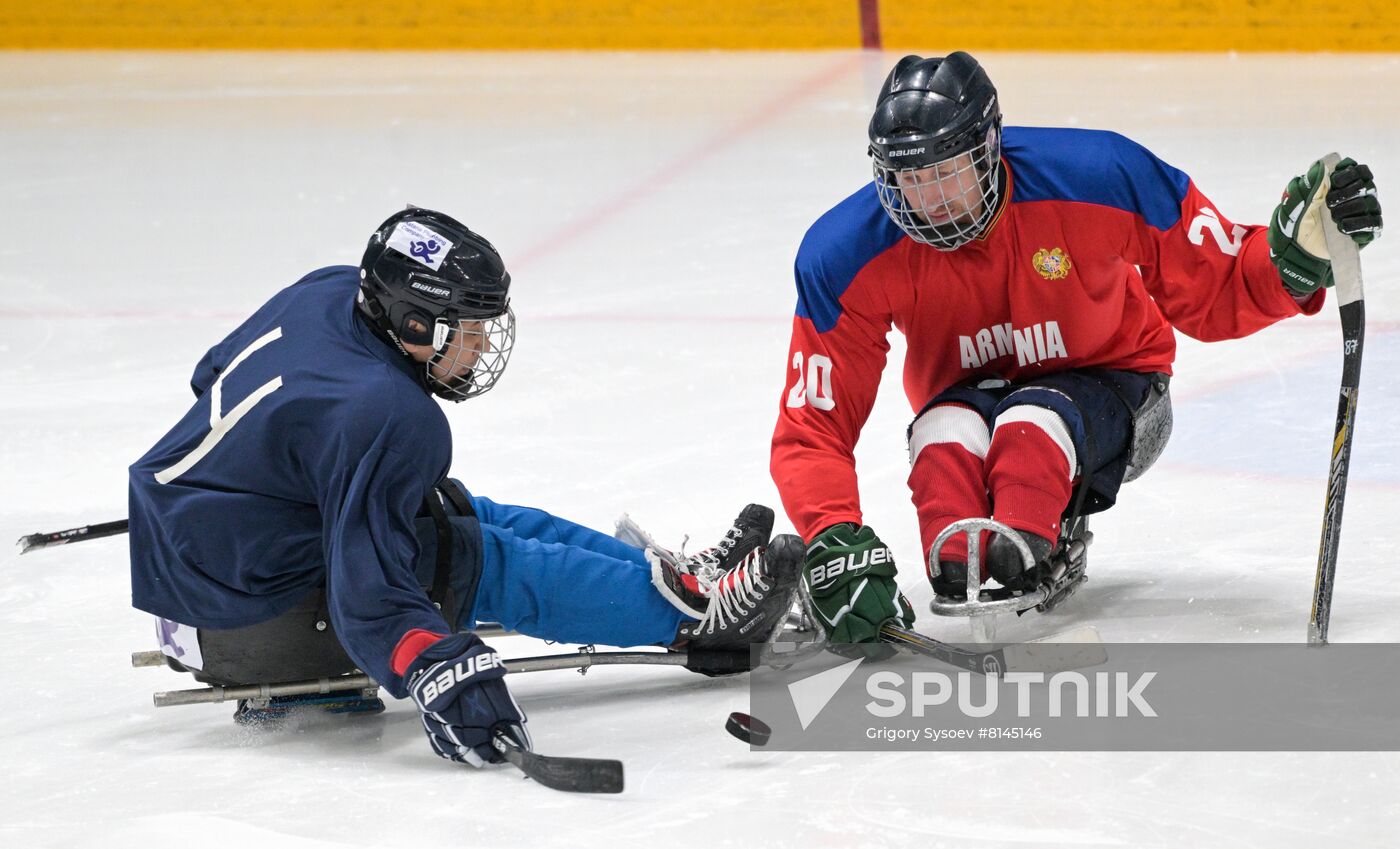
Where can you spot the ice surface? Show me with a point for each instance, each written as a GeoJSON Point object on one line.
{"type": "Point", "coordinates": [649, 206]}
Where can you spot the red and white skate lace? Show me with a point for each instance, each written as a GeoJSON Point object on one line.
{"type": "Point", "coordinates": [732, 594]}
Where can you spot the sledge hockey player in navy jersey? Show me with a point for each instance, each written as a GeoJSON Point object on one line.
{"type": "Point", "coordinates": [1037, 275]}
{"type": "Point", "coordinates": [299, 523]}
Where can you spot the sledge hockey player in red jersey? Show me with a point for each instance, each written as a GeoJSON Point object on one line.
{"type": "Point", "coordinates": [1037, 275]}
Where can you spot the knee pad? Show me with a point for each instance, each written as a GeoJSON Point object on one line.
{"type": "Point", "coordinates": [1152, 427]}
{"type": "Point", "coordinates": [942, 423]}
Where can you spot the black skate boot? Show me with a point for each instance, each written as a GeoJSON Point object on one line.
{"type": "Point", "coordinates": [681, 579]}
{"type": "Point", "coordinates": [747, 603]}
{"type": "Point", "coordinates": [1006, 564]}
{"type": "Point", "coordinates": [751, 530]}
{"type": "Point", "coordinates": [951, 580]}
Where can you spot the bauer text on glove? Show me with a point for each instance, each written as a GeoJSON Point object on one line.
{"type": "Point", "coordinates": [849, 574]}
{"type": "Point", "coordinates": [459, 684]}
{"type": "Point", "coordinates": [1296, 242]}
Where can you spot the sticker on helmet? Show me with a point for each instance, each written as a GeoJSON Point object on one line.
{"type": "Point", "coordinates": [415, 241]}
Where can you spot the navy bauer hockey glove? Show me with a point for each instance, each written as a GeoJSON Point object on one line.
{"type": "Point", "coordinates": [1296, 243]}
{"type": "Point", "coordinates": [850, 576]}
{"type": "Point", "coordinates": [459, 684]}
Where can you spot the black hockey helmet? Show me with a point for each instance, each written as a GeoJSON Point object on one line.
{"type": "Point", "coordinates": [935, 143]}
{"type": "Point", "coordinates": [426, 279]}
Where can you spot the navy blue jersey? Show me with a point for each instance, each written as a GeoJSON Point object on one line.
{"type": "Point", "coordinates": [306, 455]}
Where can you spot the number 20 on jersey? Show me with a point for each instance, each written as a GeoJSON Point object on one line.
{"type": "Point", "coordinates": [813, 384]}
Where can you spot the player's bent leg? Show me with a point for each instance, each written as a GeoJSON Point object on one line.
{"type": "Point", "coordinates": [1100, 406]}
{"type": "Point", "coordinates": [1030, 469]}
{"type": "Point", "coordinates": [1075, 425]}
{"type": "Point", "coordinates": [948, 444]}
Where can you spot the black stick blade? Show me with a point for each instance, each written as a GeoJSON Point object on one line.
{"type": "Point", "coordinates": [573, 775]}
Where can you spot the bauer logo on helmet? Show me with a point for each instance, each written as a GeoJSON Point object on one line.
{"type": "Point", "coordinates": [431, 290]}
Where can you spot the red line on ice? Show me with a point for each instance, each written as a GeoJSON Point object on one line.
{"type": "Point", "coordinates": [687, 160]}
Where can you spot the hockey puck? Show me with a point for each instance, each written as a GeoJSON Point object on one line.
{"type": "Point", "coordinates": [755, 732]}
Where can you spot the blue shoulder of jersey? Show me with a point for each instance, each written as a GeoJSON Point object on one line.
{"type": "Point", "coordinates": [1093, 166]}
{"type": "Point", "coordinates": [835, 249]}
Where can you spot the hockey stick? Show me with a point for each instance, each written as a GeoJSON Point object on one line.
{"type": "Point", "coordinates": [1076, 648]}
{"type": "Point", "coordinates": [572, 775]}
{"type": "Point", "coordinates": [1346, 270]}
{"type": "Point", "coordinates": [106, 529]}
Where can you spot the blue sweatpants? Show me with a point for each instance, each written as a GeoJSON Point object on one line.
{"type": "Point", "coordinates": [551, 578]}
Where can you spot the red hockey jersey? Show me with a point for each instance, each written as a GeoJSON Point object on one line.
{"type": "Point", "coordinates": [1098, 251]}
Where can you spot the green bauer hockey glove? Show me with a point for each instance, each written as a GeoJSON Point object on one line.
{"type": "Point", "coordinates": [1296, 243]}
{"type": "Point", "coordinates": [849, 574]}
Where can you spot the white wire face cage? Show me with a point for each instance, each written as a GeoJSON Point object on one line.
{"type": "Point", "coordinates": [471, 355]}
{"type": "Point", "coordinates": [946, 204]}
